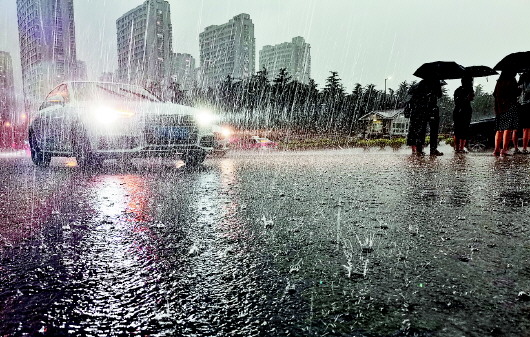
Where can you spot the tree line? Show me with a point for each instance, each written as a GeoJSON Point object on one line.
{"type": "Point", "coordinates": [287, 104]}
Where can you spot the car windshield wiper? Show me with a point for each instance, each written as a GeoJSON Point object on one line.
{"type": "Point", "coordinates": [111, 91]}
{"type": "Point", "coordinates": [138, 94]}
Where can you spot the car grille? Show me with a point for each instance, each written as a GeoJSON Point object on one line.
{"type": "Point", "coordinates": [170, 130]}
{"type": "Point", "coordinates": [172, 120]}
{"type": "Point", "coordinates": [123, 142]}
{"type": "Point", "coordinates": [207, 141]}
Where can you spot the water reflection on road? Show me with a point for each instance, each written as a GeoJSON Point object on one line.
{"type": "Point", "coordinates": [138, 251]}
{"type": "Point", "coordinates": [265, 244]}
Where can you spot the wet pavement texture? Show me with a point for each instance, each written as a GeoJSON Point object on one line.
{"type": "Point", "coordinates": [337, 243]}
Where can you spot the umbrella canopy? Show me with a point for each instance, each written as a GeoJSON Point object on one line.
{"type": "Point", "coordinates": [480, 71]}
{"type": "Point", "coordinates": [440, 70]}
{"type": "Point", "coordinates": [517, 62]}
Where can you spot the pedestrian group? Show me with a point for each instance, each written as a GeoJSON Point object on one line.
{"type": "Point", "coordinates": [512, 113]}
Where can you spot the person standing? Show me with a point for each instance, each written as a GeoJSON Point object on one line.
{"type": "Point", "coordinates": [424, 109]}
{"type": "Point", "coordinates": [462, 113]}
{"type": "Point", "coordinates": [524, 109]}
{"type": "Point", "coordinates": [506, 94]}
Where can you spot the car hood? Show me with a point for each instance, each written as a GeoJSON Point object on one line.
{"type": "Point", "coordinates": [147, 108]}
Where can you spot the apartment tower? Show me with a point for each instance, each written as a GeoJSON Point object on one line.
{"type": "Point", "coordinates": [183, 70]}
{"type": "Point", "coordinates": [145, 44]}
{"type": "Point", "coordinates": [47, 46]}
{"type": "Point", "coordinates": [295, 56]}
{"type": "Point", "coordinates": [227, 49]}
{"type": "Point", "coordinates": [7, 88]}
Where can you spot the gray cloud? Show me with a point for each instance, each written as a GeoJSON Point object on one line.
{"type": "Point", "coordinates": [365, 41]}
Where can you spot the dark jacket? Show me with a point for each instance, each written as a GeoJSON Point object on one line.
{"type": "Point", "coordinates": [424, 97]}
{"type": "Point", "coordinates": [463, 97]}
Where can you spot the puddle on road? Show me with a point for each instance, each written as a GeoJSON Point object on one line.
{"type": "Point", "coordinates": [156, 253]}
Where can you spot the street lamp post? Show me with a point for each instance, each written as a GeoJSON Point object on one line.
{"type": "Point", "coordinates": [384, 102]}
{"type": "Point", "coordinates": [388, 78]}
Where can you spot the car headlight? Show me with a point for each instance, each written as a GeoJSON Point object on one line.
{"type": "Point", "coordinates": [107, 115]}
{"type": "Point", "coordinates": [226, 132]}
{"type": "Point", "coordinates": [205, 118]}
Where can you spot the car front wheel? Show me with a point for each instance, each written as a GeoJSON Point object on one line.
{"type": "Point", "coordinates": [38, 156]}
{"type": "Point", "coordinates": [83, 152]}
{"type": "Point", "coordinates": [193, 159]}
{"type": "Point", "coordinates": [477, 147]}
{"type": "Point", "coordinates": [478, 144]}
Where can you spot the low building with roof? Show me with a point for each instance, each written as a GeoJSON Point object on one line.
{"type": "Point", "coordinates": [384, 123]}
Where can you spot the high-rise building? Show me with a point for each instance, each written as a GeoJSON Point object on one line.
{"type": "Point", "coordinates": [295, 56]}
{"type": "Point", "coordinates": [145, 44]}
{"type": "Point", "coordinates": [228, 49]}
{"type": "Point", "coordinates": [81, 71]}
{"type": "Point", "coordinates": [47, 46]}
{"type": "Point", "coordinates": [183, 70]}
{"type": "Point", "coordinates": [7, 88]}
{"type": "Point", "coordinates": [106, 77]}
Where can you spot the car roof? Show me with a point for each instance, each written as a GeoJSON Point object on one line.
{"type": "Point", "coordinates": [102, 82]}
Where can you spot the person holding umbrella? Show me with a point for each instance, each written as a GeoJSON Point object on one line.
{"type": "Point", "coordinates": [424, 110]}
{"type": "Point", "coordinates": [424, 103]}
{"type": "Point", "coordinates": [506, 106]}
{"type": "Point", "coordinates": [462, 113]}
{"type": "Point", "coordinates": [524, 115]}
{"type": "Point", "coordinates": [506, 94]}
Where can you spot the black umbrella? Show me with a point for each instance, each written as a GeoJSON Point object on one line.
{"type": "Point", "coordinates": [480, 71]}
{"type": "Point", "coordinates": [517, 62]}
{"type": "Point", "coordinates": [440, 70]}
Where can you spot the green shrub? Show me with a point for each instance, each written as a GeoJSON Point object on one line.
{"type": "Point", "coordinates": [344, 142]}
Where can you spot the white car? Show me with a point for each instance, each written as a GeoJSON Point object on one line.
{"type": "Point", "coordinates": [222, 138]}
{"type": "Point", "coordinates": [93, 121]}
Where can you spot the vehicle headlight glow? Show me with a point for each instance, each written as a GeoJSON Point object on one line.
{"type": "Point", "coordinates": [205, 118]}
{"type": "Point", "coordinates": [226, 132]}
{"type": "Point", "coordinates": [107, 115]}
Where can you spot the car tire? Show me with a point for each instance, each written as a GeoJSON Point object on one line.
{"type": "Point", "coordinates": [38, 156]}
{"type": "Point", "coordinates": [194, 159]}
{"type": "Point", "coordinates": [477, 145]}
{"type": "Point", "coordinates": [83, 152]}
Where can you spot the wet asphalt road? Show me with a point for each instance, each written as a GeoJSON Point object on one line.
{"type": "Point", "coordinates": [338, 243]}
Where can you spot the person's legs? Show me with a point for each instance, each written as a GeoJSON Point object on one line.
{"type": "Point", "coordinates": [434, 124]}
{"type": "Point", "coordinates": [498, 141]}
{"type": "Point", "coordinates": [419, 150]}
{"type": "Point", "coordinates": [515, 141]}
{"type": "Point", "coordinates": [526, 134]}
{"type": "Point", "coordinates": [463, 144]}
{"type": "Point", "coordinates": [507, 134]}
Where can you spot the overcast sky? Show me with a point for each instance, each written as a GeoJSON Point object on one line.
{"type": "Point", "coordinates": [365, 41]}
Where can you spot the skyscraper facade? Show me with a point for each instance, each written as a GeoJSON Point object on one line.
{"type": "Point", "coordinates": [295, 56]}
{"type": "Point", "coordinates": [183, 70]}
{"type": "Point", "coordinates": [228, 49]}
{"type": "Point", "coordinates": [145, 44]}
{"type": "Point", "coordinates": [47, 46]}
{"type": "Point", "coordinates": [7, 88]}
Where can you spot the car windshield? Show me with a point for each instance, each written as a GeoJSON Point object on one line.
{"type": "Point", "coordinates": [90, 91]}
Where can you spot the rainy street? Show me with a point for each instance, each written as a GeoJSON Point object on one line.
{"type": "Point", "coordinates": [341, 243]}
